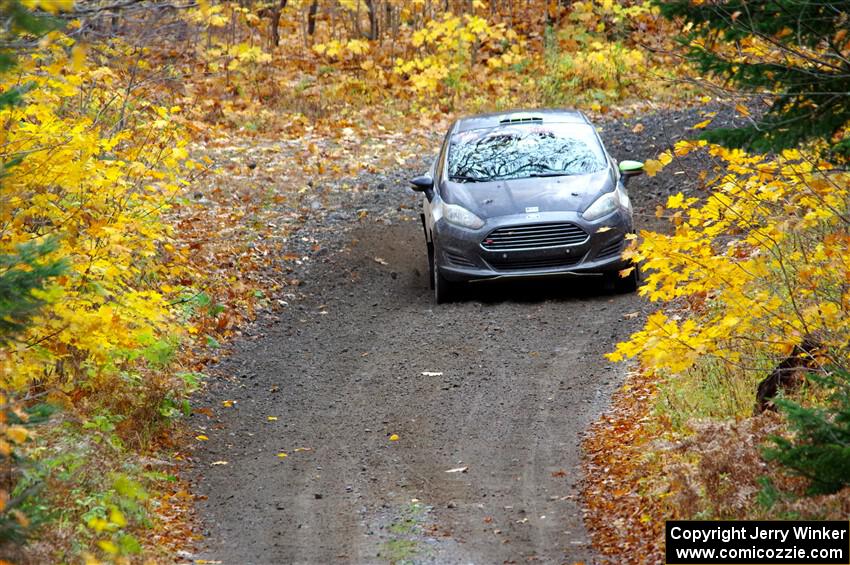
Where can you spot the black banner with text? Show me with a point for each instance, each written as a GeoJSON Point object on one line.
{"type": "Point", "coordinates": [697, 542]}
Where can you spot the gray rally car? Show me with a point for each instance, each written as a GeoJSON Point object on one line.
{"type": "Point", "coordinates": [525, 194]}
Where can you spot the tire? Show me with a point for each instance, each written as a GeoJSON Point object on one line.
{"type": "Point", "coordinates": [625, 285]}
{"type": "Point", "coordinates": [431, 266]}
{"type": "Point", "coordinates": [444, 289]}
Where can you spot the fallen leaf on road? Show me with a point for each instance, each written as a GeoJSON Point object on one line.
{"type": "Point", "coordinates": [227, 403]}
{"type": "Point", "coordinates": [299, 449]}
{"type": "Point", "coordinates": [432, 373]}
{"type": "Point", "coordinates": [638, 128]}
{"type": "Point", "coordinates": [560, 473]}
{"type": "Point", "coordinates": [380, 261]}
{"type": "Point", "coordinates": [458, 470]}
{"type": "Point", "coordinates": [282, 455]}
{"type": "Point", "coordinates": [272, 418]}
{"type": "Point", "coordinates": [219, 463]}
{"type": "Point", "coordinates": [394, 437]}
{"type": "Point", "coordinates": [631, 315]}
{"type": "Point", "coordinates": [201, 438]}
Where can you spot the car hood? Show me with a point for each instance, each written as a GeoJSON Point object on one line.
{"type": "Point", "coordinates": [519, 196]}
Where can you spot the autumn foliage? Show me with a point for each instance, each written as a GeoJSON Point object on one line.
{"type": "Point", "coordinates": [96, 178]}
{"type": "Point", "coordinates": [758, 266]}
{"type": "Point", "coordinates": [753, 266]}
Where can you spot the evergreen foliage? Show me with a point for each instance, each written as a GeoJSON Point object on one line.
{"type": "Point", "coordinates": [20, 274]}
{"type": "Point", "coordinates": [795, 51]}
{"type": "Point", "coordinates": [820, 446]}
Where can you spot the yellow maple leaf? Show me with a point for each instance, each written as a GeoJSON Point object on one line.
{"type": "Point", "coordinates": [676, 201]}
{"type": "Point", "coordinates": [651, 167]}
{"type": "Point", "coordinates": [18, 434]}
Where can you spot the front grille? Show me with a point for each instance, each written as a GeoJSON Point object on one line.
{"type": "Point", "coordinates": [459, 260]}
{"type": "Point", "coordinates": [534, 236]}
{"type": "Point", "coordinates": [611, 250]}
{"type": "Point", "coordinates": [539, 263]}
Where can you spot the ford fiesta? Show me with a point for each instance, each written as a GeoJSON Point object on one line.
{"type": "Point", "coordinates": [525, 194]}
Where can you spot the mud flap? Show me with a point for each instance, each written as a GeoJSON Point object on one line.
{"type": "Point", "coordinates": [430, 246]}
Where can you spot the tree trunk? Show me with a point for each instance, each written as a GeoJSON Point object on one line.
{"type": "Point", "coordinates": [275, 22]}
{"type": "Point", "coordinates": [311, 18]}
{"type": "Point", "coordinates": [374, 28]}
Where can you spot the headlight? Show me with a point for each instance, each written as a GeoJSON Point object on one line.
{"type": "Point", "coordinates": [461, 216]}
{"type": "Point", "coordinates": [625, 202]}
{"type": "Point", "coordinates": [607, 203]}
{"type": "Point", "coordinates": [603, 206]}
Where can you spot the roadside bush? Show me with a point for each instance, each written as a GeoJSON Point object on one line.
{"type": "Point", "coordinates": [595, 58]}
{"type": "Point", "coordinates": [752, 271]}
{"type": "Point", "coordinates": [449, 49]}
{"type": "Point", "coordinates": [94, 173]}
{"type": "Point", "coordinates": [88, 278]}
{"type": "Point", "coordinates": [818, 447]}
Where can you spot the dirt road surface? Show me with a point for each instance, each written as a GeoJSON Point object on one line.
{"type": "Point", "coordinates": [487, 397]}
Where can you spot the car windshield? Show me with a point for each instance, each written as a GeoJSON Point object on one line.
{"type": "Point", "coordinates": [524, 150]}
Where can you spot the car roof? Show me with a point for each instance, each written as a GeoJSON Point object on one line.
{"type": "Point", "coordinates": [545, 115]}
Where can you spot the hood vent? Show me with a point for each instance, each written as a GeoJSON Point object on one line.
{"type": "Point", "coordinates": [521, 120]}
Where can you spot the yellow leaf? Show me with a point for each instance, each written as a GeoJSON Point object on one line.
{"type": "Point", "coordinates": [676, 200]}
{"type": "Point", "coordinates": [651, 167]}
{"type": "Point", "coordinates": [272, 418]}
{"type": "Point", "coordinates": [117, 518]}
{"type": "Point", "coordinates": [282, 455]}
{"type": "Point", "coordinates": [202, 438]}
{"type": "Point", "coordinates": [107, 546]}
{"type": "Point", "coordinates": [394, 437]}
{"type": "Point", "coordinates": [17, 434]}
{"type": "Point", "coordinates": [78, 57]}
{"type": "Point", "coordinates": [702, 125]}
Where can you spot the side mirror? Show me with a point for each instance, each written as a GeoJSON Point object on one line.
{"type": "Point", "coordinates": [422, 183]}
{"type": "Point", "coordinates": [631, 168]}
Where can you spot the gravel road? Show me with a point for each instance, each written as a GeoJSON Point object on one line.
{"type": "Point", "coordinates": [487, 397]}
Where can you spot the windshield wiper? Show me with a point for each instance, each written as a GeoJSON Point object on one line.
{"type": "Point", "coordinates": [466, 178]}
{"type": "Point", "coordinates": [550, 174]}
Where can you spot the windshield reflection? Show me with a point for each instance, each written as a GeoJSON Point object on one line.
{"type": "Point", "coordinates": [524, 150]}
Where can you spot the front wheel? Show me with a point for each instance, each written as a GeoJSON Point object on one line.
{"type": "Point", "coordinates": [444, 289]}
{"type": "Point", "coordinates": [627, 284]}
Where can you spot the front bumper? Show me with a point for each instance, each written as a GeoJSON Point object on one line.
{"type": "Point", "coordinates": [461, 256]}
